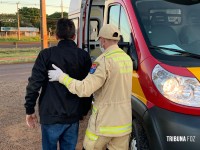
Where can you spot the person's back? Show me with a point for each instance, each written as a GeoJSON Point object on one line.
{"type": "Point", "coordinates": [57, 104]}
{"type": "Point", "coordinates": [59, 113]}
{"type": "Point", "coordinates": [113, 98]}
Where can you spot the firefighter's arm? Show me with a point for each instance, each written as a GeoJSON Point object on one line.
{"type": "Point", "coordinates": [83, 88]}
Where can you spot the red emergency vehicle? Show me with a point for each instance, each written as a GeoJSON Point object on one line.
{"type": "Point", "coordinates": [163, 39]}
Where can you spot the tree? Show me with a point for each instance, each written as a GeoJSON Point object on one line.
{"type": "Point", "coordinates": [30, 16]}
{"type": "Point", "coordinates": [52, 20]}
{"type": "Point", "coordinates": [8, 20]}
{"type": "Point", "coordinates": [57, 15]}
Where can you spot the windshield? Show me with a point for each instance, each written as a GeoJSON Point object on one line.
{"type": "Point", "coordinates": [167, 23]}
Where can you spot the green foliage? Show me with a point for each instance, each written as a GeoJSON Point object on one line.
{"type": "Point", "coordinates": [52, 20]}
{"type": "Point", "coordinates": [23, 39]}
{"type": "Point", "coordinates": [8, 20]}
{"type": "Point", "coordinates": [57, 15]}
{"type": "Point", "coordinates": [30, 16]}
{"type": "Point", "coordinates": [19, 52]}
{"type": "Point", "coordinates": [19, 55]}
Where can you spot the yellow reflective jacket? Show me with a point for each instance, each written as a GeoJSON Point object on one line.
{"type": "Point", "coordinates": [110, 81]}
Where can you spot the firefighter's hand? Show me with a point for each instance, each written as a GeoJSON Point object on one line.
{"type": "Point", "coordinates": [54, 75]}
{"type": "Point", "coordinates": [31, 120]}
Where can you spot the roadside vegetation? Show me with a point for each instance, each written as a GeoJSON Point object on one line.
{"type": "Point", "coordinates": [22, 39]}
{"type": "Point", "coordinates": [25, 39]}
{"type": "Point", "coordinates": [19, 55]}
{"type": "Point", "coordinates": [29, 17]}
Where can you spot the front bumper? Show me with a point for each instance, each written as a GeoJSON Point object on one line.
{"type": "Point", "coordinates": [168, 130]}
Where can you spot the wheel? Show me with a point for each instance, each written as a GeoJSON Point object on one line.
{"type": "Point", "coordinates": [138, 139]}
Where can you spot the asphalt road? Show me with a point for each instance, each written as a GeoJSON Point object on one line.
{"type": "Point", "coordinates": [14, 133]}
{"type": "Point", "coordinates": [15, 72]}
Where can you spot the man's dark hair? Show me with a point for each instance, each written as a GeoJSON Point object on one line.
{"type": "Point", "coordinates": [65, 29]}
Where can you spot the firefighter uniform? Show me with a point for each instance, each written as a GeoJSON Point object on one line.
{"type": "Point", "coordinates": [110, 82]}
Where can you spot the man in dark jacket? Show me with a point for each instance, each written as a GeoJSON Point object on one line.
{"type": "Point", "coordinates": [59, 113]}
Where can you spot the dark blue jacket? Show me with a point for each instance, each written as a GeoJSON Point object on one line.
{"type": "Point", "coordinates": [56, 103]}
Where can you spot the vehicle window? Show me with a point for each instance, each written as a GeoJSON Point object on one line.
{"type": "Point", "coordinates": [174, 16]}
{"type": "Point", "coordinates": [94, 45]}
{"type": "Point", "coordinates": [114, 15]}
{"type": "Point", "coordinates": [124, 26]}
{"type": "Point", "coordinates": [117, 16]}
{"type": "Point", "coordinates": [94, 29]}
{"type": "Point", "coordinates": [96, 21]}
{"type": "Point", "coordinates": [170, 24]}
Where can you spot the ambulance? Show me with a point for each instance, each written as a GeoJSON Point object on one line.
{"type": "Point", "coordinates": [162, 37]}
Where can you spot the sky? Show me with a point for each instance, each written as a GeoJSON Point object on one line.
{"type": "Point", "coordinates": [10, 6]}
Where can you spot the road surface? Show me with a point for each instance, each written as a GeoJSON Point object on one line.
{"type": "Point", "coordinates": [14, 133]}
{"type": "Point", "coordinates": [15, 72]}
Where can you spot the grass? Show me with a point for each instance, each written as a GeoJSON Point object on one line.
{"type": "Point", "coordinates": [19, 55]}
{"type": "Point", "coordinates": [23, 55]}
{"type": "Point", "coordinates": [24, 39]}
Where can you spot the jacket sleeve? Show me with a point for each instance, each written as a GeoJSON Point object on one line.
{"type": "Point", "coordinates": [38, 76]}
{"type": "Point", "coordinates": [90, 84]}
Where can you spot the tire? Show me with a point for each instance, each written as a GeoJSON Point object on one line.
{"type": "Point", "coordinates": [138, 139]}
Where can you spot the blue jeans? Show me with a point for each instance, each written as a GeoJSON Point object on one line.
{"type": "Point", "coordinates": [65, 134]}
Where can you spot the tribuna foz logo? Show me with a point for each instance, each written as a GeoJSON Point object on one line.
{"type": "Point", "coordinates": [180, 138]}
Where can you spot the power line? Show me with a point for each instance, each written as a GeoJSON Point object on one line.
{"type": "Point", "coordinates": [28, 4]}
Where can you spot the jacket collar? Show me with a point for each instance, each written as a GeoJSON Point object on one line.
{"type": "Point", "coordinates": [66, 43]}
{"type": "Point", "coordinates": [111, 48]}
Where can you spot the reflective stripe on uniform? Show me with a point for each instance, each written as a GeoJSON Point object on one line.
{"type": "Point", "coordinates": [123, 60]}
{"type": "Point", "coordinates": [116, 129]}
{"type": "Point", "coordinates": [125, 64]}
{"type": "Point", "coordinates": [91, 135]}
{"type": "Point", "coordinates": [67, 80]}
{"type": "Point", "coordinates": [125, 67]}
{"type": "Point", "coordinates": [108, 55]}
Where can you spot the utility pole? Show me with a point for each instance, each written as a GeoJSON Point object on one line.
{"type": "Point", "coordinates": [18, 22]}
{"type": "Point", "coordinates": [43, 25]}
{"type": "Point", "coordinates": [61, 8]}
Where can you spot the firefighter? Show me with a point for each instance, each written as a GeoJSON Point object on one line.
{"type": "Point", "coordinates": [110, 81]}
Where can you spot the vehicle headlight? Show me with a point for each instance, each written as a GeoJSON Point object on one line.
{"type": "Point", "coordinates": [179, 89]}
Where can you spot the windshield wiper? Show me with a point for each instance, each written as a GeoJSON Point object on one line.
{"type": "Point", "coordinates": [183, 53]}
